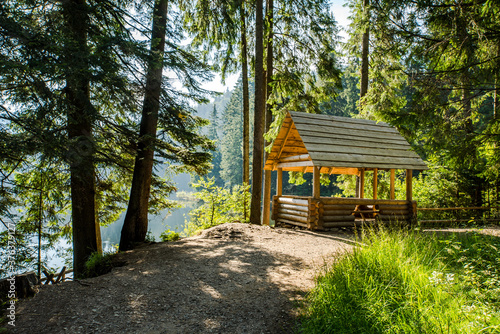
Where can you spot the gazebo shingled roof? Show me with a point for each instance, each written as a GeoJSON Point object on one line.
{"type": "Point", "coordinates": [339, 145]}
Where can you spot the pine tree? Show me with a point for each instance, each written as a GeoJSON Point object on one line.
{"type": "Point", "coordinates": [232, 138]}
{"type": "Point", "coordinates": [216, 154]}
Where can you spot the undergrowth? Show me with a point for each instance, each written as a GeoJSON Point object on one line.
{"type": "Point", "coordinates": [98, 264]}
{"type": "Point", "coordinates": [218, 205]}
{"type": "Point", "coordinates": [408, 282]}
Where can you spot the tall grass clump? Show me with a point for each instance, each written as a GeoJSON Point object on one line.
{"type": "Point", "coordinates": [398, 281]}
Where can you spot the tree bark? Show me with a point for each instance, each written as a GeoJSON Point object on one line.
{"type": "Point", "coordinates": [364, 56]}
{"type": "Point", "coordinates": [259, 116]}
{"type": "Point", "coordinates": [269, 113]}
{"type": "Point", "coordinates": [246, 106]}
{"type": "Point", "coordinates": [135, 226]}
{"type": "Point", "coordinates": [80, 113]}
{"type": "Point", "coordinates": [246, 99]}
{"type": "Point", "coordinates": [365, 48]}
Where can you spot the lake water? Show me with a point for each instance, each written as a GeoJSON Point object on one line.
{"type": "Point", "coordinates": [157, 224]}
{"type": "Point", "coordinates": [110, 234]}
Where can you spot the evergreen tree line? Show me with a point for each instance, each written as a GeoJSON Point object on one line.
{"type": "Point", "coordinates": [97, 95]}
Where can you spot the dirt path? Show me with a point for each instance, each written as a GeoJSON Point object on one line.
{"type": "Point", "coordinates": [234, 278]}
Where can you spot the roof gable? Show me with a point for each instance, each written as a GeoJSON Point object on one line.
{"type": "Point", "coordinates": [339, 145]}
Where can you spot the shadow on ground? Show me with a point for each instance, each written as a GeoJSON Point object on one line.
{"type": "Point", "coordinates": [220, 285]}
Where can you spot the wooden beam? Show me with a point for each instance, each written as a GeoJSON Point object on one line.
{"type": "Point", "coordinates": [362, 183]}
{"type": "Point", "coordinates": [284, 140]}
{"type": "Point", "coordinates": [279, 182]}
{"type": "Point", "coordinates": [316, 184]}
{"type": "Point", "coordinates": [393, 178]}
{"type": "Point", "coordinates": [266, 211]}
{"type": "Point", "coordinates": [375, 183]}
{"type": "Point", "coordinates": [300, 157]}
{"type": "Point", "coordinates": [409, 184]}
{"type": "Point", "coordinates": [295, 164]}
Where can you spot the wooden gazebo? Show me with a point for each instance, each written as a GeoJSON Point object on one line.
{"type": "Point", "coordinates": [322, 144]}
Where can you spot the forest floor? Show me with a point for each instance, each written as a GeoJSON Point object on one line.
{"type": "Point", "coordinates": [233, 278]}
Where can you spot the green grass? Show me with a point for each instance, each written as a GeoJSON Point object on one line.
{"type": "Point", "coordinates": [409, 282]}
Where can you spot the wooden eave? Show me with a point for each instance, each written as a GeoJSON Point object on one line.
{"type": "Point", "coordinates": [339, 145]}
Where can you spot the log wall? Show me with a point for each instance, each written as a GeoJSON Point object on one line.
{"type": "Point", "coordinates": [327, 212]}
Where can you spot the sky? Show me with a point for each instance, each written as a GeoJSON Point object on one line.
{"type": "Point", "coordinates": [341, 14]}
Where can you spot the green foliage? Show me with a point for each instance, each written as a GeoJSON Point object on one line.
{"type": "Point", "coordinates": [169, 235]}
{"type": "Point", "coordinates": [36, 57]}
{"type": "Point", "coordinates": [232, 141]}
{"type": "Point", "coordinates": [218, 205]}
{"type": "Point", "coordinates": [347, 183]}
{"type": "Point", "coordinates": [98, 264]}
{"type": "Point", "coordinates": [407, 282]}
{"type": "Point", "coordinates": [345, 104]}
{"type": "Point", "coordinates": [150, 237]}
{"type": "Point", "coordinates": [433, 74]}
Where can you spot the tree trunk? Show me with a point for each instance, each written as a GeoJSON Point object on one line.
{"type": "Point", "coordinates": [364, 55]}
{"type": "Point", "coordinates": [269, 113]}
{"type": "Point", "coordinates": [80, 113]}
{"type": "Point", "coordinates": [365, 48]}
{"type": "Point", "coordinates": [246, 99]}
{"type": "Point", "coordinates": [496, 98]}
{"type": "Point", "coordinates": [259, 116]}
{"type": "Point", "coordinates": [246, 107]}
{"type": "Point", "coordinates": [135, 226]}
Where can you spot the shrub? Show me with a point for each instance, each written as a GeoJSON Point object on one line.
{"type": "Point", "coordinates": [98, 264]}
{"type": "Point", "coordinates": [218, 205]}
{"type": "Point", "coordinates": [169, 235]}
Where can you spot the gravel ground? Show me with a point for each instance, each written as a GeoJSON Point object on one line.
{"type": "Point", "coordinates": [233, 278]}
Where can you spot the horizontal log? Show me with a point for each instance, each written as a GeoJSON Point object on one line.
{"type": "Point", "coordinates": [339, 224]}
{"type": "Point", "coordinates": [360, 201]}
{"type": "Point", "coordinates": [392, 207]}
{"type": "Point", "coordinates": [282, 220]}
{"type": "Point", "coordinates": [337, 212]}
{"type": "Point", "coordinates": [461, 208]}
{"type": "Point", "coordinates": [295, 201]}
{"type": "Point", "coordinates": [292, 217]}
{"type": "Point", "coordinates": [295, 164]}
{"type": "Point", "coordinates": [293, 207]}
{"type": "Point", "coordinates": [300, 157]}
{"type": "Point", "coordinates": [338, 207]}
{"type": "Point", "coordinates": [293, 212]}
{"type": "Point", "coordinates": [338, 218]}
{"type": "Point", "coordinates": [395, 212]}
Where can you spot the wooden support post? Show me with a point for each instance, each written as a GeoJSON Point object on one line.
{"type": "Point", "coordinates": [393, 178]}
{"type": "Point", "coordinates": [409, 184]}
{"type": "Point", "coordinates": [316, 184]}
{"type": "Point", "coordinates": [375, 182]}
{"type": "Point", "coordinates": [266, 211]}
{"type": "Point", "coordinates": [279, 182]}
{"type": "Point", "coordinates": [362, 183]}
